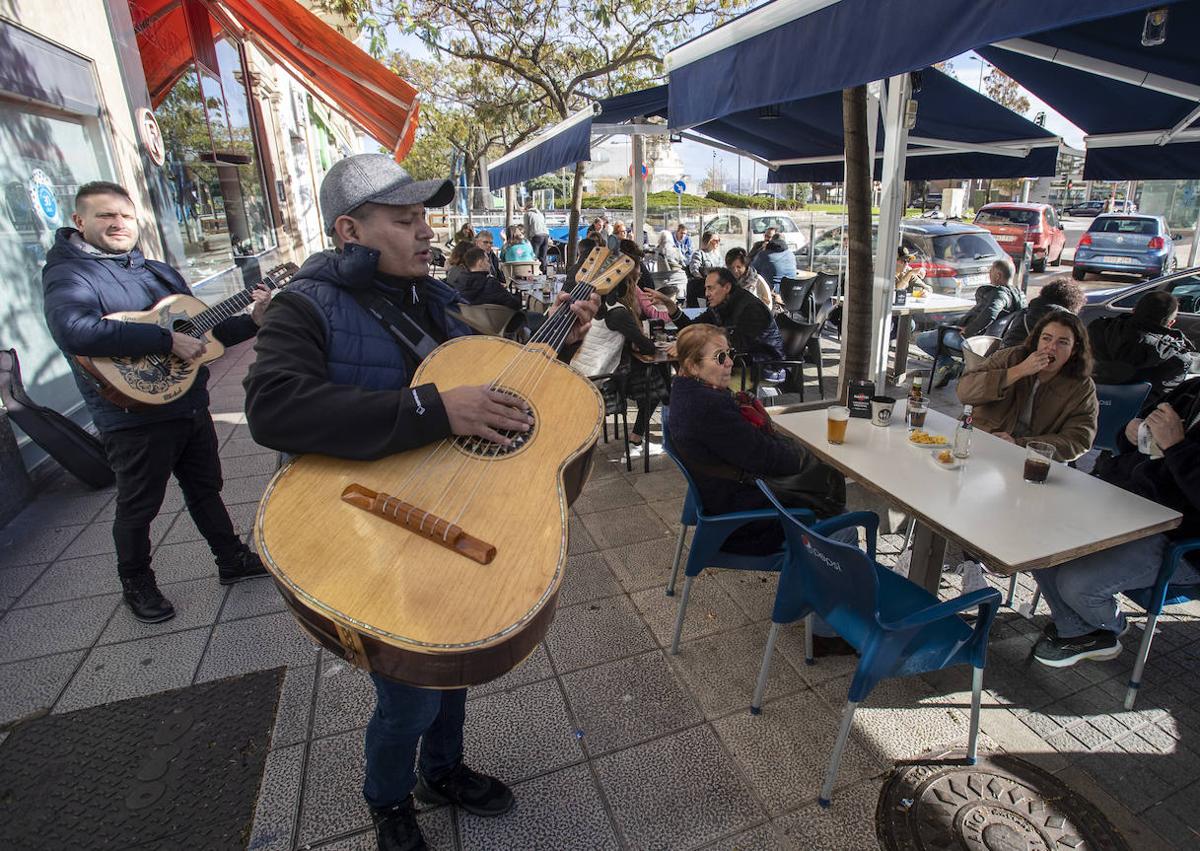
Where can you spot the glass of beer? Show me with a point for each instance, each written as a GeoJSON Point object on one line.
{"type": "Point", "coordinates": [1037, 462]}
{"type": "Point", "coordinates": [836, 419]}
{"type": "Point", "coordinates": [916, 413]}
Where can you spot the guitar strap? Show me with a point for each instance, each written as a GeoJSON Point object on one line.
{"type": "Point", "coordinates": [411, 336]}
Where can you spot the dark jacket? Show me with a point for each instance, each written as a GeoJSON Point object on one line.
{"type": "Point", "coordinates": [482, 288]}
{"type": "Point", "coordinates": [775, 262]}
{"type": "Point", "coordinates": [81, 288]}
{"type": "Point", "coordinates": [1026, 320]}
{"type": "Point", "coordinates": [747, 321]}
{"type": "Point", "coordinates": [991, 303]}
{"type": "Point", "coordinates": [329, 378]}
{"type": "Point", "coordinates": [1128, 350]}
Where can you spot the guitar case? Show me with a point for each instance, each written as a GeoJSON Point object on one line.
{"type": "Point", "coordinates": [80, 453]}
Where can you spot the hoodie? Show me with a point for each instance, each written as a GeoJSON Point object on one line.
{"type": "Point", "coordinates": [775, 262]}
{"type": "Point", "coordinates": [82, 285]}
{"type": "Point", "coordinates": [482, 288]}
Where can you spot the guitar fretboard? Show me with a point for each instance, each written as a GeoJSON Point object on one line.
{"type": "Point", "coordinates": [203, 322]}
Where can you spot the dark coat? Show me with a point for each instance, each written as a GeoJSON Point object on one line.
{"type": "Point", "coordinates": [747, 321]}
{"type": "Point", "coordinates": [991, 303]}
{"type": "Point", "coordinates": [1026, 320]}
{"type": "Point", "coordinates": [775, 262]}
{"type": "Point", "coordinates": [483, 288]}
{"type": "Point", "coordinates": [1128, 350]}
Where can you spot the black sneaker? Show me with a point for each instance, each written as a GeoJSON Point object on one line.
{"type": "Point", "coordinates": [1058, 652]}
{"type": "Point", "coordinates": [396, 827]}
{"type": "Point", "coordinates": [476, 793]}
{"type": "Point", "coordinates": [144, 599]}
{"type": "Point", "coordinates": [246, 565]}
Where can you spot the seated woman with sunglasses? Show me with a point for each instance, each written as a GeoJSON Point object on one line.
{"type": "Point", "coordinates": [727, 440]}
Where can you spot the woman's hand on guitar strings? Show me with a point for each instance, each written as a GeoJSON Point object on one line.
{"type": "Point", "coordinates": [186, 347]}
{"type": "Point", "coordinates": [262, 297]}
{"type": "Point", "coordinates": [585, 312]}
{"type": "Point", "coordinates": [479, 411]}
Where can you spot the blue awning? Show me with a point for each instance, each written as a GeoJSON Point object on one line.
{"type": "Point", "coordinates": [793, 49]}
{"type": "Point", "coordinates": [564, 144]}
{"type": "Point", "coordinates": [646, 103]}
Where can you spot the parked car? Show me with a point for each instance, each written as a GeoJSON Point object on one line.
{"type": "Point", "coordinates": [1185, 286]}
{"type": "Point", "coordinates": [1085, 208]}
{"type": "Point", "coordinates": [1125, 244]}
{"type": "Point", "coordinates": [1014, 224]}
{"type": "Point", "coordinates": [956, 255]}
{"type": "Point", "coordinates": [735, 230]}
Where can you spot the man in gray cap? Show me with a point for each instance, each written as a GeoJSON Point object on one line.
{"type": "Point", "coordinates": [332, 379]}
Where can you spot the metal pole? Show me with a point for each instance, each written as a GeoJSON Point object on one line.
{"type": "Point", "coordinates": [638, 189]}
{"type": "Point", "coordinates": [899, 92]}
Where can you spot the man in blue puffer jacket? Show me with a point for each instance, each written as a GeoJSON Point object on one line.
{"type": "Point", "coordinates": [95, 269]}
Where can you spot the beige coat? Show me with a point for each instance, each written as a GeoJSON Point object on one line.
{"type": "Point", "coordinates": [1064, 410]}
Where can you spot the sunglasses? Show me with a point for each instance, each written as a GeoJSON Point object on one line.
{"type": "Point", "coordinates": [722, 356]}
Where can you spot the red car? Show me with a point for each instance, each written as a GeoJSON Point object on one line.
{"type": "Point", "coordinates": [1014, 224]}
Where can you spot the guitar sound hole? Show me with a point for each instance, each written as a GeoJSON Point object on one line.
{"type": "Point", "coordinates": [491, 449]}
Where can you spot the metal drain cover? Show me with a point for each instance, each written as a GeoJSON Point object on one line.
{"type": "Point", "coordinates": [999, 804]}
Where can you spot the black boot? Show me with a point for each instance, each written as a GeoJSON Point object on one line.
{"type": "Point", "coordinates": [245, 565]}
{"type": "Point", "coordinates": [396, 827]}
{"type": "Point", "coordinates": [144, 599]}
{"type": "Point", "coordinates": [476, 793]}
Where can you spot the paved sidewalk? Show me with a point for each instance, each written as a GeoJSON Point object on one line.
{"type": "Point", "coordinates": [609, 741]}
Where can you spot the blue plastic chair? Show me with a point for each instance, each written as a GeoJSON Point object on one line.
{"type": "Point", "coordinates": [1152, 600]}
{"type": "Point", "coordinates": [898, 628]}
{"type": "Point", "coordinates": [711, 532]}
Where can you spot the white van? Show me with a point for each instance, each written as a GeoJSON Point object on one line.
{"type": "Point", "coordinates": [734, 229]}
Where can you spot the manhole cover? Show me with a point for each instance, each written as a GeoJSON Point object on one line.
{"type": "Point", "coordinates": [1000, 804]}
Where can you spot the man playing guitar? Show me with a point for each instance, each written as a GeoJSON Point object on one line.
{"type": "Point", "coordinates": [95, 269]}
{"type": "Point", "coordinates": [330, 378]}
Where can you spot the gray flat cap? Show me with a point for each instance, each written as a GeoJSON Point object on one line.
{"type": "Point", "coordinates": [379, 179]}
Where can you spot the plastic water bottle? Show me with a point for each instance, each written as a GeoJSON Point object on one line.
{"type": "Point", "coordinates": [962, 434]}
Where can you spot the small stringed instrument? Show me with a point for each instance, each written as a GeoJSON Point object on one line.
{"type": "Point", "coordinates": [133, 382]}
{"type": "Point", "coordinates": [440, 567]}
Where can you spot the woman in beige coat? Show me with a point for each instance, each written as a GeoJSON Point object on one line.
{"type": "Point", "coordinates": [1040, 390]}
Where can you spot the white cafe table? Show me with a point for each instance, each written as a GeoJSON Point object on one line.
{"type": "Point", "coordinates": [985, 506]}
{"type": "Point", "coordinates": [936, 303]}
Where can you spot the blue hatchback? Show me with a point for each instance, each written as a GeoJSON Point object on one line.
{"type": "Point", "coordinates": [1126, 244]}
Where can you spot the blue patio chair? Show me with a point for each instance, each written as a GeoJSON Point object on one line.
{"type": "Point", "coordinates": [1119, 403]}
{"type": "Point", "coordinates": [898, 628]}
{"type": "Point", "coordinates": [711, 532]}
{"type": "Point", "coordinates": [1152, 600]}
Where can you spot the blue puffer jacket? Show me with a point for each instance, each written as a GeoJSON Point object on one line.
{"type": "Point", "coordinates": [80, 288]}
{"type": "Point", "coordinates": [775, 262]}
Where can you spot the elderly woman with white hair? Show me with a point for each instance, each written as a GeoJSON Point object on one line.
{"type": "Point", "coordinates": [670, 264]}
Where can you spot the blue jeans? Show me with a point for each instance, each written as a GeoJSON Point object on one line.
{"type": "Point", "coordinates": [405, 715]}
{"type": "Point", "coordinates": [1082, 593]}
{"type": "Point", "coordinates": [927, 341]}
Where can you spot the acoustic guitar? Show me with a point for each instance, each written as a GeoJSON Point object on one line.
{"type": "Point", "coordinates": [440, 567]}
{"type": "Point", "coordinates": [133, 382]}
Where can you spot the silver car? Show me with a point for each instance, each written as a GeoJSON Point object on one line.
{"type": "Point", "coordinates": [735, 230]}
{"type": "Point", "coordinates": [1185, 286]}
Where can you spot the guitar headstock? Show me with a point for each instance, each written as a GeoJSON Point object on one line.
{"type": "Point", "coordinates": [280, 276]}
{"type": "Point", "coordinates": [612, 274]}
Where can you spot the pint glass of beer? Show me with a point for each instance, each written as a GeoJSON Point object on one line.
{"type": "Point", "coordinates": [837, 417]}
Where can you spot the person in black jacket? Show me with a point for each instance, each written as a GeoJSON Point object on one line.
{"type": "Point", "coordinates": [1142, 346]}
{"type": "Point", "coordinates": [95, 269]}
{"type": "Point", "coordinates": [478, 286]}
{"type": "Point", "coordinates": [1060, 294]}
{"type": "Point", "coordinates": [1088, 622]}
{"type": "Point", "coordinates": [329, 378]}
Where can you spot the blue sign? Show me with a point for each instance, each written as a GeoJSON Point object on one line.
{"type": "Point", "coordinates": [680, 187]}
{"type": "Point", "coordinates": [41, 194]}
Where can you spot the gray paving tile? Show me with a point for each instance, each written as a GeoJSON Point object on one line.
{"type": "Point", "coordinates": [43, 630]}
{"type": "Point", "coordinates": [196, 604]}
{"type": "Point", "coordinates": [721, 670]}
{"type": "Point", "coordinates": [185, 530]}
{"type": "Point", "coordinates": [646, 565]}
{"type": "Point", "coordinates": [437, 826]}
{"type": "Point", "coordinates": [848, 823]}
{"type": "Point", "coordinates": [249, 489]}
{"type": "Point", "coordinates": [752, 590]}
{"type": "Point", "coordinates": [620, 526]}
{"type": "Point", "coordinates": [97, 539]}
{"type": "Point", "coordinates": [695, 795]}
{"type": "Point", "coordinates": [709, 610]}
{"type": "Point", "coordinates": [180, 562]}
{"type": "Point", "coordinates": [260, 464]}
{"type": "Point", "coordinates": [578, 539]}
{"type": "Point", "coordinates": [663, 482]}
{"type": "Point", "coordinates": [587, 578]}
{"type": "Point", "coordinates": [765, 837]}
{"type": "Point", "coordinates": [295, 707]}
{"type": "Point", "coordinates": [333, 803]}
{"type": "Point", "coordinates": [278, 800]}
{"type": "Point", "coordinates": [785, 750]}
{"type": "Point", "coordinates": [70, 579]}
{"type": "Point", "coordinates": [15, 581]}
{"type": "Point", "coordinates": [133, 669]}
{"type": "Point", "coordinates": [32, 686]}
{"type": "Point", "coordinates": [824, 668]}
{"type": "Point", "coordinates": [628, 701]}
{"type": "Point", "coordinates": [240, 446]}
{"type": "Point", "coordinates": [255, 644]}
{"type": "Point", "coordinates": [608, 494]}
{"type": "Point", "coordinates": [535, 667]}
{"type": "Point", "coordinates": [595, 632]}
{"type": "Point", "coordinates": [517, 734]}
{"type": "Point", "coordinates": [345, 698]}
{"type": "Point", "coordinates": [252, 598]}
{"type": "Point", "coordinates": [31, 542]}
{"type": "Point", "coordinates": [556, 811]}
{"type": "Point", "coordinates": [669, 510]}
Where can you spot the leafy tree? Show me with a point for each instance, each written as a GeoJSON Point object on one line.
{"type": "Point", "coordinates": [1005, 91]}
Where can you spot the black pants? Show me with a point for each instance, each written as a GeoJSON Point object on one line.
{"type": "Point", "coordinates": [144, 459]}
{"type": "Point", "coordinates": [540, 243]}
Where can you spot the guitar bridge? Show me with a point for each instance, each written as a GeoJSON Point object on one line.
{"type": "Point", "coordinates": [397, 511]}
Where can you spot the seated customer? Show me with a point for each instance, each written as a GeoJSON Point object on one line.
{"type": "Point", "coordinates": [775, 262]}
{"type": "Point", "coordinates": [1088, 623]}
{"type": "Point", "coordinates": [992, 301]}
{"type": "Point", "coordinates": [747, 277]}
{"type": "Point", "coordinates": [1060, 294]}
{"type": "Point", "coordinates": [670, 263]}
{"type": "Point", "coordinates": [517, 249]}
{"type": "Point", "coordinates": [1040, 390]}
{"type": "Point", "coordinates": [641, 281]}
{"type": "Point", "coordinates": [483, 240]}
{"type": "Point", "coordinates": [727, 440]}
{"type": "Point", "coordinates": [708, 257]}
{"type": "Point", "coordinates": [478, 286]}
{"type": "Point", "coordinates": [455, 267]}
{"type": "Point", "coordinates": [1142, 346]}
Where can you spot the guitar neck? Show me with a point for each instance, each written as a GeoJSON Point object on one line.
{"type": "Point", "coordinates": [206, 320]}
{"type": "Point", "coordinates": [557, 328]}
